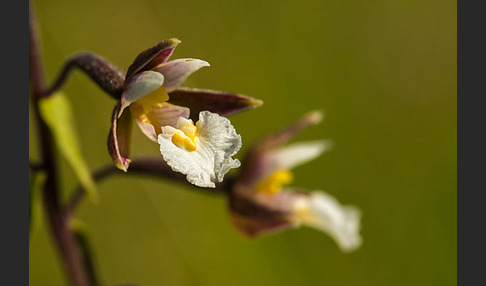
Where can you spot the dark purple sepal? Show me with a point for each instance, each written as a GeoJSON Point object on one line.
{"type": "Point", "coordinates": [255, 227]}
{"type": "Point", "coordinates": [152, 57]}
{"type": "Point", "coordinates": [222, 103]}
{"type": "Point", "coordinates": [255, 214]}
{"type": "Point", "coordinates": [119, 138]}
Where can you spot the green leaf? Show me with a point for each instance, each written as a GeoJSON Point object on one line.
{"type": "Point", "coordinates": [36, 181]}
{"type": "Point", "coordinates": [56, 112]}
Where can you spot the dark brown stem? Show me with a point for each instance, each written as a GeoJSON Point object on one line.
{"type": "Point", "coordinates": [35, 166]}
{"type": "Point", "coordinates": [106, 75]}
{"type": "Point", "coordinates": [87, 256]}
{"type": "Point", "coordinates": [61, 234]}
{"type": "Point", "coordinates": [148, 166]}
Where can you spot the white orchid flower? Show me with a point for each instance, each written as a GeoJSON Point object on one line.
{"type": "Point", "coordinates": [203, 151]}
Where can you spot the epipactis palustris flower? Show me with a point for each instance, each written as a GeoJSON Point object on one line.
{"type": "Point", "coordinates": [259, 203]}
{"type": "Point", "coordinates": [166, 112]}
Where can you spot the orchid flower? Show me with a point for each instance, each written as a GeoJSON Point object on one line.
{"type": "Point", "coordinates": [166, 113]}
{"type": "Point", "coordinates": [259, 202]}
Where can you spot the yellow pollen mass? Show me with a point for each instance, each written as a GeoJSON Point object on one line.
{"type": "Point", "coordinates": [188, 128]}
{"type": "Point", "coordinates": [273, 183]}
{"type": "Point", "coordinates": [184, 136]}
{"type": "Point", "coordinates": [182, 141]}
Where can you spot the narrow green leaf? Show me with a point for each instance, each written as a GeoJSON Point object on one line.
{"type": "Point", "coordinates": [36, 181]}
{"type": "Point", "coordinates": [56, 112]}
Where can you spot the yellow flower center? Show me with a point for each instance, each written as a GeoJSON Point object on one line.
{"type": "Point", "coordinates": [273, 183]}
{"type": "Point", "coordinates": [156, 97]}
{"type": "Point", "coordinates": [143, 108]}
{"type": "Point", "coordinates": [184, 136]}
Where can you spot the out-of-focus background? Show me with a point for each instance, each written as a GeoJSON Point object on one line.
{"type": "Point", "coordinates": [384, 73]}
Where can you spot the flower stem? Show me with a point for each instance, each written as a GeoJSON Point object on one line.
{"type": "Point", "coordinates": [57, 220]}
{"type": "Point", "coordinates": [106, 75]}
{"type": "Point", "coordinates": [149, 166]}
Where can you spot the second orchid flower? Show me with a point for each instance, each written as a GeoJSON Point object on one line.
{"type": "Point", "coordinates": [260, 203]}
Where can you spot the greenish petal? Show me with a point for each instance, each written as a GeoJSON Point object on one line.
{"type": "Point", "coordinates": [139, 86]}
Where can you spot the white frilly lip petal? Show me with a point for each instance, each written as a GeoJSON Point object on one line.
{"type": "Point", "coordinates": [138, 86]}
{"type": "Point", "coordinates": [217, 141]}
{"type": "Point", "coordinates": [177, 71]}
{"type": "Point", "coordinates": [166, 115]}
{"type": "Point", "coordinates": [295, 154]}
{"type": "Point", "coordinates": [323, 212]}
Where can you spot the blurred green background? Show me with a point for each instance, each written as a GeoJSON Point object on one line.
{"type": "Point", "coordinates": [384, 73]}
